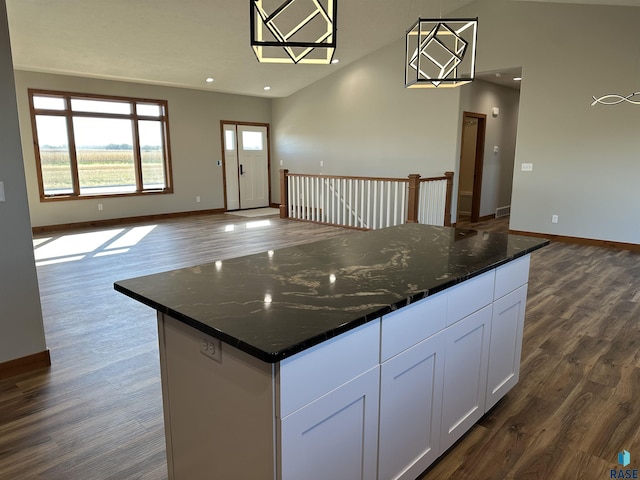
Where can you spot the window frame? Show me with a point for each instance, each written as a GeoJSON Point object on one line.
{"type": "Point", "coordinates": [70, 114]}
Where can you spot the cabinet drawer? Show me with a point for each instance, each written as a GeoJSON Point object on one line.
{"type": "Point", "coordinates": [470, 296]}
{"type": "Point", "coordinates": [320, 369]}
{"type": "Point", "coordinates": [412, 324]}
{"type": "Point", "coordinates": [511, 276]}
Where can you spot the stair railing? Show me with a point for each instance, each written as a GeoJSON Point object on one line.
{"type": "Point", "coordinates": [366, 202]}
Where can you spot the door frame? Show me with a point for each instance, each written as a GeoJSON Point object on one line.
{"type": "Point", "coordinates": [478, 162]}
{"type": "Point", "coordinates": [224, 163]}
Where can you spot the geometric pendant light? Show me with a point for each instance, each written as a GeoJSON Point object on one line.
{"type": "Point", "coordinates": [293, 31]}
{"type": "Point", "coordinates": [440, 52]}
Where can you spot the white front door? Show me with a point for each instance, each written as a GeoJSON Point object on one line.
{"type": "Point", "coordinates": [246, 156]}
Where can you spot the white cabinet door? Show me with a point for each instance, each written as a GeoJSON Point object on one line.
{"type": "Point", "coordinates": [465, 375]}
{"type": "Point", "coordinates": [410, 410]}
{"type": "Point", "coordinates": [335, 436]}
{"type": "Point", "coordinates": [506, 344]}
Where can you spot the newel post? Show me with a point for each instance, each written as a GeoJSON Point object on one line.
{"type": "Point", "coordinates": [284, 193]}
{"type": "Point", "coordinates": [414, 198]}
{"type": "Point", "coordinates": [447, 205]}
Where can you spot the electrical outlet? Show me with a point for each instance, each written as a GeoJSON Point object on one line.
{"type": "Point", "coordinates": [554, 218]}
{"type": "Point", "coordinates": [198, 199]}
{"type": "Point", "coordinates": [212, 348]}
{"type": "Point", "coordinates": [526, 167]}
{"type": "Point", "coordinates": [99, 207]}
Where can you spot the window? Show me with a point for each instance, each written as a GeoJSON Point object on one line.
{"type": "Point", "coordinates": [89, 145]}
{"type": "Point", "coordinates": [251, 140]}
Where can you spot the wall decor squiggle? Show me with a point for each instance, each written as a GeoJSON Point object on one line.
{"type": "Point", "coordinates": [614, 99]}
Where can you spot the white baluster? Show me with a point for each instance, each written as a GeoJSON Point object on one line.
{"type": "Point", "coordinates": [314, 193]}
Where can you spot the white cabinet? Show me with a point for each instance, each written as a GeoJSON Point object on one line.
{"type": "Point", "coordinates": [465, 374]}
{"type": "Point", "coordinates": [467, 358]}
{"type": "Point", "coordinates": [336, 435]}
{"type": "Point", "coordinates": [469, 296]}
{"type": "Point", "coordinates": [410, 406]}
{"type": "Point", "coordinates": [328, 405]}
{"type": "Point", "coordinates": [381, 401]}
{"type": "Point", "coordinates": [506, 344]}
{"type": "Point", "coordinates": [310, 374]}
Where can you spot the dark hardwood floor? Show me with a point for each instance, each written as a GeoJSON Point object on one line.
{"type": "Point", "coordinates": [97, 412]}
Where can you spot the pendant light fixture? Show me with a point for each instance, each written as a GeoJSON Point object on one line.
{"type": "Point", "coordinates": [440, 52]}
{"type": "Point", "coordinates": [293, 31]}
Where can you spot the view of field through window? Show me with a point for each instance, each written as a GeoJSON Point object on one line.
{"type": "Point", "coordinates": [105, 155]}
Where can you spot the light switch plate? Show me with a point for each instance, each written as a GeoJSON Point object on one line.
{"type": "Point", "coordinates": [2, 192]}
{"type": "Point", "coordinates": [527, 167]}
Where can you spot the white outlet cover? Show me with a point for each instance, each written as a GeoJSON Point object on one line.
{"type": "Point", "coordinates": [211, 347]}
{"type": "Point", "coordinates": [2, 199]}
{"type": "Point", "coordinates": [526, 167]}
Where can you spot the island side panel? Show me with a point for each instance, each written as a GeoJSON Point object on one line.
{"type": "Point", "coordinates": [219, 415]}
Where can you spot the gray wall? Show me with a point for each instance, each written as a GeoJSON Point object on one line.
{"type": "Point", "coordinates": [497, 175]}
{"type": "Point", "coordinates": [362, 121]}
{"type": "Point", "coordinates": [585, 158]}
{"type": "Point", "coordinates": [194, 122]}
{"type": "Point", "coordinates": [21, 329]}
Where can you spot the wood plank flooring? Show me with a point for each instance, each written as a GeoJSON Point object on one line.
{"type": "Point", "coordinates": [97, 412]}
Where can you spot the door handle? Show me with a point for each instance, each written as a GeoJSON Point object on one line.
{"type": "Point", "coordinates": [241, 170]}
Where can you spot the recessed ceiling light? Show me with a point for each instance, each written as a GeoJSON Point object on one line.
{"type": "Point", "coordinates": [335, 60]}
{"type": "Point", "coordinates": [209, 80]}
{"type": "Point", "coordinates": [267, 87]}
{"type": "Point", "coordinates": [517, 79]}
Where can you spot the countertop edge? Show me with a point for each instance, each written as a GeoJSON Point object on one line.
{"type": "Point", "coordinates": [274, 357]}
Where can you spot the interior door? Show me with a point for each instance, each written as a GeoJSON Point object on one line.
{"type": "Point", "coordinates": [471, 165]}
{"type": "Point", "coordinates": [246, 165]}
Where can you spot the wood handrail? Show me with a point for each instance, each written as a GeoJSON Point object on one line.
{"type": "Point", "coordinates": [343, 177]}
{"type": "Point", "coordinates": [379, 179]}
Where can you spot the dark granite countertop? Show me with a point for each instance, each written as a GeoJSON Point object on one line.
{"type": "Point", "coordinates": [275, 304]}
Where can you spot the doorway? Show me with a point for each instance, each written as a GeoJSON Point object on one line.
{"type": "Point", "coordinates": [246, 165]}
{"type": "Point", "coordinates": [471, 164]}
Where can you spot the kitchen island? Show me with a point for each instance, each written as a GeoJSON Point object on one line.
{"type": "Point", "coordinates": [364, 356]}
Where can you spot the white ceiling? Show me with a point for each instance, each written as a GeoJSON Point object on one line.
{"type": "Point", "coordinates": [182, 42]}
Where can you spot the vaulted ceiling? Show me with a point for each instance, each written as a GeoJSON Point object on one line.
{"type": "Point", "coordinates": [182, 42]}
